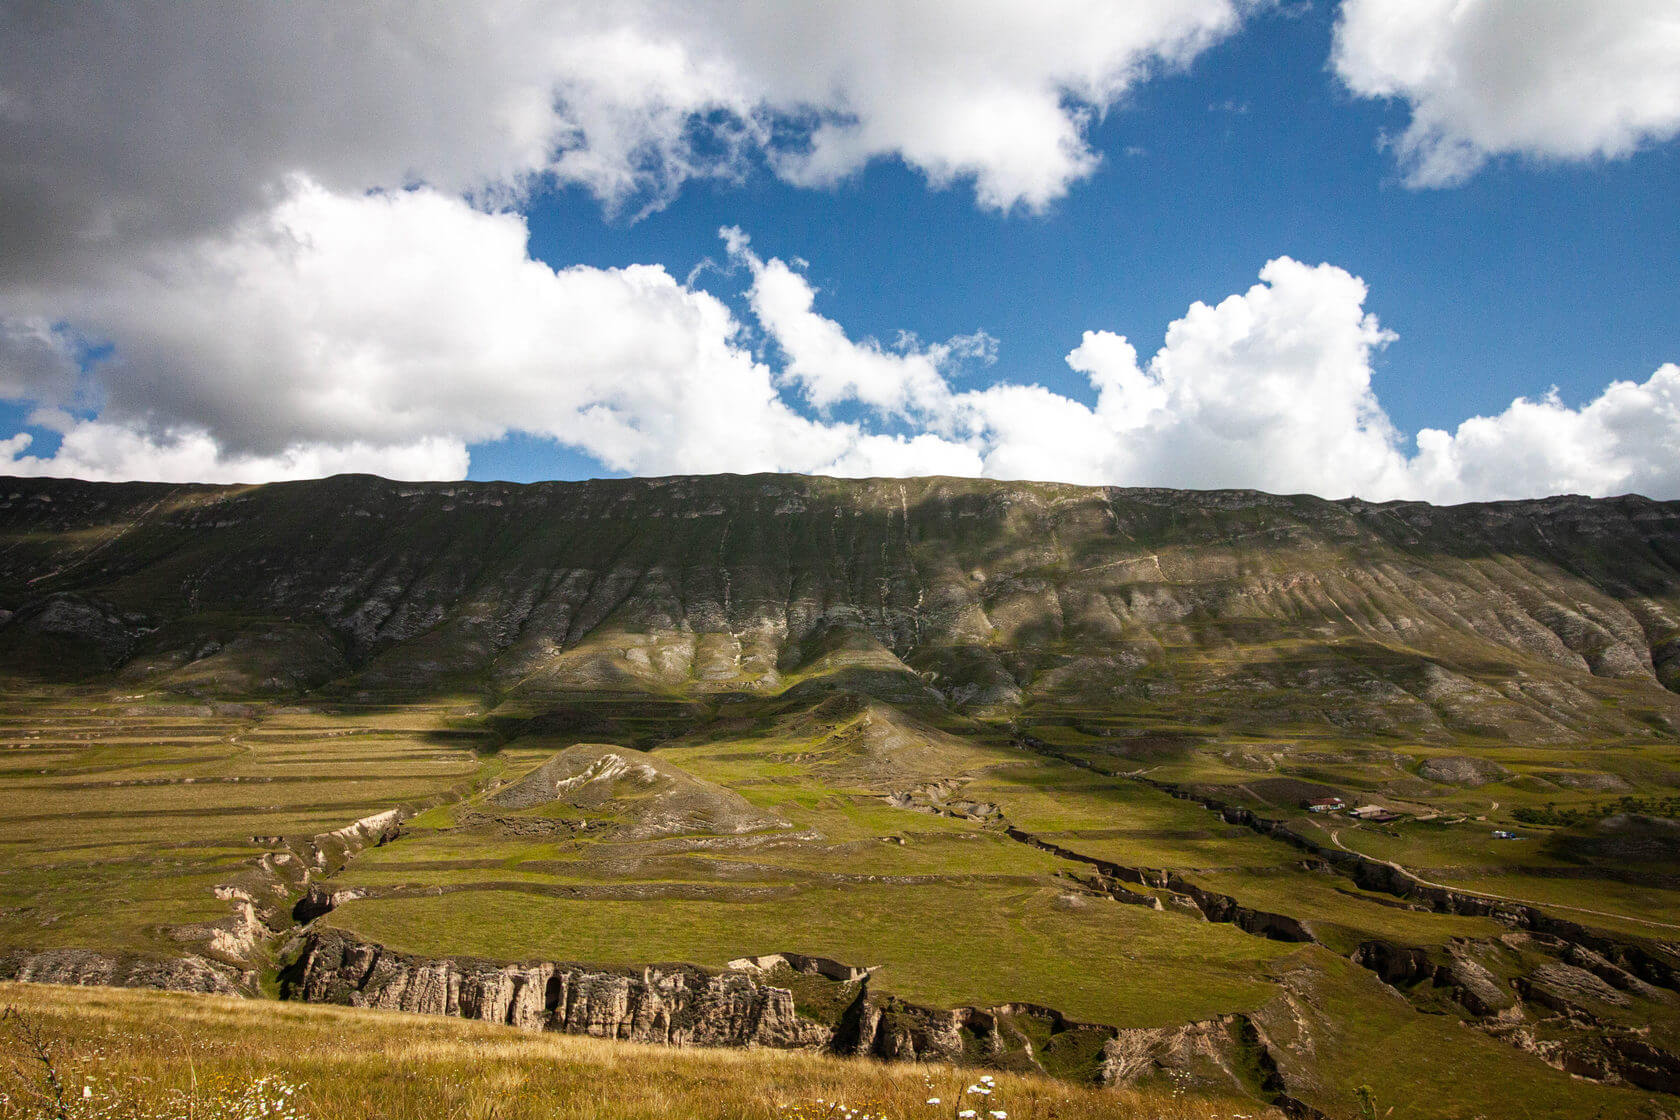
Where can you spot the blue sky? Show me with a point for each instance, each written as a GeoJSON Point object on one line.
{"type": "Point", "coordinates": [1529, 276]}
{"type": "Point", "coordinates": [1510, 239]}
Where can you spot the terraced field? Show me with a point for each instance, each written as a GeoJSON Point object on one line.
{"type": "Point", "coordinates": [963, 772]}
{"type": "Point", "coordinates": [123, 814]}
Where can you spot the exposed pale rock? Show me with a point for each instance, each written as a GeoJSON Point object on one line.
{"type": "Point", "coordinates": [83, 967]}
{"type": "Point", "coordinates": [1463, 770]}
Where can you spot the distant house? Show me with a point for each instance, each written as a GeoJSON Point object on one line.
{"type": "Point", "coordinates": [1375, 813]}
{"type": "Point", "coordinates": [1324, 805]}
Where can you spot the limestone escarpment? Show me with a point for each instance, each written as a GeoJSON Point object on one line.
{"type": "Point", "coordinates": [678, 1005]}
{"type": "Point", "coordinates": [231, 950]}
{"type": "Point", "coordinates": [275, 891]}
{"type": "Point", "coordinates": [673, 1005]}
{"type": "Point", "coordinates": [784, 1000]}
{"type": "Point", "coordinates": [1212, 905]}
{"type": "Point", "coordinates": [1552, 1010]}
{"type": "Point", "coordinates": [86, 968]}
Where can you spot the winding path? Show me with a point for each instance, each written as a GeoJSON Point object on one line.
{"type": "Point", "coordinates": [1336, 839]}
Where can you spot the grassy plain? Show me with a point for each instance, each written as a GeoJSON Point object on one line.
{"type": "Point", "coordinates": [880, 840]}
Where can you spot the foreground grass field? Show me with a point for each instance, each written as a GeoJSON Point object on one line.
{"type": "Point", "coordinates": [148, 1054]}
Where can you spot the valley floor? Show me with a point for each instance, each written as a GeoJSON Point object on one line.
{"type": "Point", "coordinates": [1107, 923]}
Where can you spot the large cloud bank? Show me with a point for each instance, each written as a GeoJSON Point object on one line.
{"type": "Point", "coordinates": [255, 241]}
{"type": "Point", "coordinates": [388, 332]}
{"type": "Point", "coordinates": [124, 123]}
{"type": "Point", "coordinates": [168, 117]}
{"type": "Point", "coordinates": [1546, 79]}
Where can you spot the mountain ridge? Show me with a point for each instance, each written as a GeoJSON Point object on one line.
{"type": "Point", "coordinates": [413, 583]}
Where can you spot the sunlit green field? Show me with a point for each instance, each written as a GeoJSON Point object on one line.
{"type": "Point", "coordinates": [119, 816]}
{"type": "Point", "coordinates": [871, 836]}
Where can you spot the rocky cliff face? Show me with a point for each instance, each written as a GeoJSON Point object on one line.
{"type": "Point", "coordinates": [82, 967]}
{"type": "Point", "coordinates": [784, 1001]}
{"type": "Point", "coordinates": [674, 1005]}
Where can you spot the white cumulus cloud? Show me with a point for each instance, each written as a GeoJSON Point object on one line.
{"type": "Point", "coordinates": [103, 451]}
{"type": "Point", "coordinates": [1547, 79]}
{"type": "Point", "coordinates": [389, 332]}
{"type": "Point", "coordinates": [1626, 440]}
{"type": "Point", "coordinates": [1271, 388]}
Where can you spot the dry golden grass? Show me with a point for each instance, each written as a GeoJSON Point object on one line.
{"type": "Point", "coordinates": [141, 1054]}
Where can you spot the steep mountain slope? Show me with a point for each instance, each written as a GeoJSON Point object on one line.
{"type": "Point", "coordinates": [1518, 619]}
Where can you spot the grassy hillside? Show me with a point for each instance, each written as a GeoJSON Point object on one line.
{"type": "Point", "coordinates": [1036, 751]}
{"type": "Point", "coordinates": [233, 1058]}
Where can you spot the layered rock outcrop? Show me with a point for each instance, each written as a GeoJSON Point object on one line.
{"type": "Point", "coordinates": [86, 968]}
{"type": "Point", "coordinates": [674, 1005]}
{"type": "Point", "coordinates": [784, 1000]}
